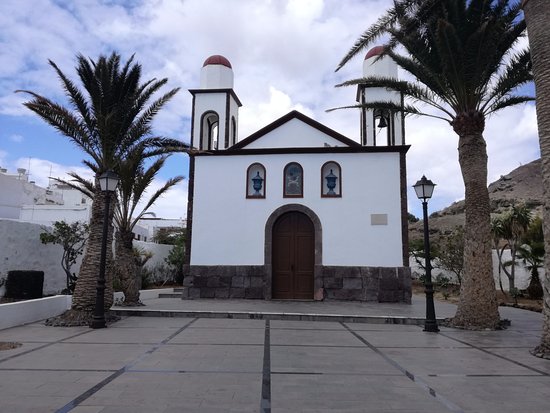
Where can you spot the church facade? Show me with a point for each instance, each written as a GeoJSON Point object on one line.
{"type": "Point", "coordinates": [296, 210]}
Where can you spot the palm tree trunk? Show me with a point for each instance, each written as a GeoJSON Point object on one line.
{"type": "Point", "coordinates": [478, 307]}
{"type": "Point", "coordinates": [537, 16]}
{"type": "Point", "coordinates": [85, 290]}
{"type": "Point", "coordinates": [126, 268]}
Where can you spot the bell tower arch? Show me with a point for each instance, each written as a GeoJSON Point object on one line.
{"type": "Point", "coordinates": [380, 126]}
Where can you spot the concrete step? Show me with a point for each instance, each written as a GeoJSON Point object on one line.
{"type": "Point", "coordinates": [171, 295]}
{"type": "Point", "coordinates": [369, 319]}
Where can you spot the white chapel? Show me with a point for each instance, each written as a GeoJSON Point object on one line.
{"type": "Point", "coordinates": [296, 210]}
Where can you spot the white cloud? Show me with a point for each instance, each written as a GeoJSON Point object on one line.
{"type": "Point", "coordinates": [16, 138]}
{"type": "Point", "coordinates": [283, 53]}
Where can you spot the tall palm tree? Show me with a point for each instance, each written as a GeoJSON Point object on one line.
{"type": "Point", "coordinates": [537, 16]}
{"type": "Point", "coordinates": [106, 119]}
{"type": "Point", "coordinates": [461, 53]}
{"type": "Point", "coordinates": [135, 179]}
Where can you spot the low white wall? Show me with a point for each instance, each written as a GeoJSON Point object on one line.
{"type": "Point", "coordinates": [23, 312]}
{"type": "Point", "coordinates": [522, 274]}
{"type": "Point", "coordinates": [160, 252]}
{"type": "Point", "coordinates": [30, 311]}
{"type": "Point", "coordinates": [21, 249]}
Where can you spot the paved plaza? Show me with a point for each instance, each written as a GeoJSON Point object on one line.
{"type": "Point", "coordinates": [191, 364]}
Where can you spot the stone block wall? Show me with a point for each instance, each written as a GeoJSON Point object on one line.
{"type": "Point", "coordinates": [225, 281]}
{"type": "Point", "coordinates": [374, 284]}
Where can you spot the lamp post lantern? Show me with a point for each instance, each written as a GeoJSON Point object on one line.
{"type": "Point", "coordinates": [424, 189]}
{"type": "Point", "coordinates": [108, 182]}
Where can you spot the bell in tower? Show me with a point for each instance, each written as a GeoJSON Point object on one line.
{"type": "Point", "coordinates": [380, 126]}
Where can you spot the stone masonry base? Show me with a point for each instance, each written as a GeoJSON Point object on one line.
{"type": "Point", "coordinates": [378, 284]}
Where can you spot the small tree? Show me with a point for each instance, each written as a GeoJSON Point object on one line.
{"type": "Point", "coordinates": [451, 253]}
{"type": "Point", "coordinates": [416, 250]}
{"type": "Point", "coordinates": [532, 254]}
{"type": "Point", "coordinates": [72, 237]}
{"type": "Point", "coordinates": [176, 257]}
{"type": "Point", "coordinates": [510, 227]}
{"type": "Point", "coordinates": [168, 235]}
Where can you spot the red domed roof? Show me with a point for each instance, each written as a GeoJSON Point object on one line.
{"type": "Point", "coordinates": [375, 51]}
{"type": "Point", "coordinates": [217, 60]}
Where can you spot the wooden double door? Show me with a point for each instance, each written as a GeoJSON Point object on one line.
{"type": "Point", "coordinates": [293, 257]}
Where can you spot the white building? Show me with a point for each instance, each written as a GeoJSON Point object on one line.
{"type": "Point", "coordinates": [21, 199]}
{"type": "Point", "coordinates": [296, 210]}
{"type": "Point", "coordinates": [70, 206]}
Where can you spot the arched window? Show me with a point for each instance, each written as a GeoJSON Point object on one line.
{"type": "Point", "coordinates": [331, 180]}
{"type": "Point", "coordinates": [255, 181]}
{"type": "Point", "coordinates": [209, 131]}
{"type": "Point", "coordinates": [233, 131]}
{"type": "Point", "coordinates": [293, 181]}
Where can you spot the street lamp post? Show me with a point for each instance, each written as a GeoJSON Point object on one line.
{"type": "Point", "coordinates": [424, 189]}
{"type": "Point", "coordinates": [108, 182]}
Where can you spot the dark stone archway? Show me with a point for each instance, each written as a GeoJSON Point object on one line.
{"type": "Point", "coordinates": [317, 272]}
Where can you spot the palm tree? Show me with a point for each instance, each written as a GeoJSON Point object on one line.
{"type": "Point", "coordinates": [135, 179]}
{"type": "Point", "coordinates": [537, 16]}
{"type": "Point", "coordinates": [510, 227]}
{"type": "Point", "coordinates": [461, 54]}
{"type": "Point", "coordinates": [108, 119]}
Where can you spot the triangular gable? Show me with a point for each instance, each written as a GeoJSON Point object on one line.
{"type": "Point", "coordinates": [294, 130]}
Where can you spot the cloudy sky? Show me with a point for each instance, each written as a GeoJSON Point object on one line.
{"type": "Point", "coordinates": [283, 54]}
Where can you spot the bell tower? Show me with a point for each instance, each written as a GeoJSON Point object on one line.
{"type": "Point", "coordinates": [215, 114]}
{"type": "Point", "coordinates": [380, 126]}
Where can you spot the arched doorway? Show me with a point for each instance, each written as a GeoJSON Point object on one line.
{"type": "Point", "coordinates": [293, 256]}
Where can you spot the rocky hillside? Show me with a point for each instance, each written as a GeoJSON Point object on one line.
{"type": "Point", "coordinates": [522, 185]}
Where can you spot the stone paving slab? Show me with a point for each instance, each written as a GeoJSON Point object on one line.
{"type": "Point", "coordinates": [329, 311]}
{"type": "Point", "coordinates": [166, 365]}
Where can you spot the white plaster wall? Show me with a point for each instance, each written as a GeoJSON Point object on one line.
{"type": "Point", "coordinates": [216, 77]}
{"type": "Point", "coordinates": [21, 249]}
{"type": "Point", "coordinates": [160, 252]}
{"type": "Point", "coordinates": [384, 67]}
{"type": "Point", "coordinates": [22, 312]}
{"type": "Point", "coordinates": [294, 134]}
{"type": "Point", "coordinates": [14, 192]}
{"type": "Point", "coordinates": [229, 229]}
{"type": "Point", "coordinates": [48, 214]}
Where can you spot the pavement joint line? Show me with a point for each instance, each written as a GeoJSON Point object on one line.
{"type": "Point", "coordinates": [44, 346]}
{"type": "Point", "coordinates": [315, 346]}
{"type": "Point", "coordinates": [193, 371]}
{"type": "Point", "coordinates": [483, 349]}
{"type": "Point", "coordinates": [340, 373]}
{"type": "Point", "coordinates": [265, 401]}
{"type": "Point", "coordinates": [216, 344]}
{"type": "Point", "coordinates": [484, 375]}
{"type": "Point", "coordinates": [43, 369]}
{"type": "Point", "coordinates": [447, 403]}
{"type": "Point", "coordinates": [94, 389]}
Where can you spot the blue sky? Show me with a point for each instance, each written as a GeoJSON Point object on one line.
{"type": "Point", "coordinates": [283, 53]}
